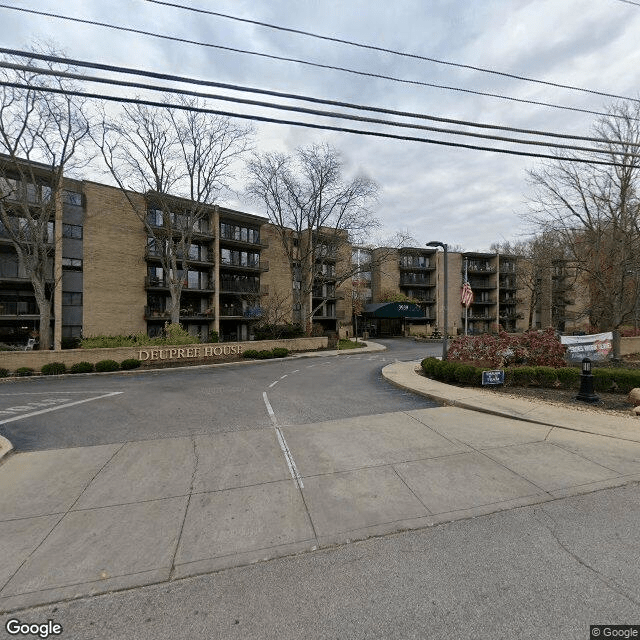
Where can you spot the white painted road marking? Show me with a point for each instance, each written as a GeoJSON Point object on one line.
{"type": "Point", "coordinates": [55, 408]}
{"type": "Point", "coordinates": [293, 470]}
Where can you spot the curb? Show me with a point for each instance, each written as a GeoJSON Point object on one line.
{"type": "Point", "coordinates": [6, 449]}
{"type": "Point", "coordinates": [471, 406]}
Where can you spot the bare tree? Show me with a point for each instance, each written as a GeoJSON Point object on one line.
{"type": "Point", "coordinates": [41, 138]}
{"type": "Point", "coordinates": [317, 216]}
{"type": "Point", "coordinates": [181, 159]}
{"type": "Point", "coordinates": [595, 211]}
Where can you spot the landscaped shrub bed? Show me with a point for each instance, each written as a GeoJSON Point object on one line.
{"type": "Point", "coordinates": [531, 348]}
{"type": "Point", "coordinates": [130, 363]}
{"type": "Point", "coordinates": [53, 368]}
{"type": "Point", "coordinates": [604, 380]}
{"type": "Point", "coordinates": [107, 365]}
{"type": "Point", "coordinates": [81, 367]}
{"type": "Point", "coordinates": [266, 354]}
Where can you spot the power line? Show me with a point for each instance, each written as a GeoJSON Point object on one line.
{"type": "Point", "coordinates": [309, 125]}
{"type": "Point", "coordinates": [630, 2]}
{"type": "Point", "coordinates": [394, 52]}
{"type": "Point", "coordinates": [307, 111]}
{"type": "Point", "coordinates": [182, 79]}
{"type": "Point", "coordinates": [300, 61]}
{"type": "Point", "coordinates": [222, 85]}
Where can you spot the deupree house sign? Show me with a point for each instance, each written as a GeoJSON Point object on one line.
{"type": "Point", "coordinates": [180, 353]}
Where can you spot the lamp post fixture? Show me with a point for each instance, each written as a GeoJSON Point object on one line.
{"type": "Point", "coordinates": [445, 335]}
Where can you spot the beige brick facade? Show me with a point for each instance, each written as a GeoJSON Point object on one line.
{"type": "Point", "coordinates": [114, 296]}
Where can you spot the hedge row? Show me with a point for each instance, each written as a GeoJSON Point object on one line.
{"type": "Point", "coordinates": [604, 380]}
{"type": "Point", "coordinates": [266, 354]}
{"type": "Point", "coordinates": [57, 368]}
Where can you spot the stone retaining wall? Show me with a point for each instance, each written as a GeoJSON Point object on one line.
{"type": "Point", "coordinates": [155, 355]}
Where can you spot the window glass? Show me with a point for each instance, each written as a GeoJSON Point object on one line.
{"type": "Point", "coordinates": [71, 231]}
{"type": "Point", "coordinates": [72, 263]}
{"type": "Point", "coordinates": [69, 197]}
{"type": "Point", "coordinates": [71, 299]}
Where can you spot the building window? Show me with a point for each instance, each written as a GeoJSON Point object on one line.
{"type": "Point", "coordinates": [71, 231]}
{"type": "Point", "coordinates": [71, 299]}
{"type": "Point", "coordinates": [72, 197]}
{"type": "Point", "coordinates": [72, 263]}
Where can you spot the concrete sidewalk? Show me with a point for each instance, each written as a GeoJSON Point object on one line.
{"type": "Point", "coordinates": [405, 375]}
{"type": "Point", "coordinates": [77, 522]}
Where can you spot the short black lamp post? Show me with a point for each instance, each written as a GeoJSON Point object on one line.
{"type": "Point", "coordinates": [586, 393]}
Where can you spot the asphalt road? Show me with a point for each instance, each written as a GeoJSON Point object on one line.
{"type": "Point", "coordinates": [76, 411]}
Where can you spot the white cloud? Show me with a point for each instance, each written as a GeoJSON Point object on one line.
{"type": "Point", "coordinates": [465, 197]}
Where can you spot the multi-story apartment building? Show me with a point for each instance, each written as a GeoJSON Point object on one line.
{"type": "Point", "coordinates": [114, 276]}
{"type": "Point", "coordinates": [107, 271]}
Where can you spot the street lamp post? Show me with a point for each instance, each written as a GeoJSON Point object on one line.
{"type": "Point", "coordinates": [445, 335]}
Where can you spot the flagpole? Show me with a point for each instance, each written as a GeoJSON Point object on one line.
{"type": "Point", "coordinates": [466, 306]}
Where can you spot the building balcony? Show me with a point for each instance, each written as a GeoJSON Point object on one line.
{"type": "Point", "coordinates": [237, 265]}
{"type": "Point", "coordinates": [419, 282]}
{"type": "Point", "coordinates": [200, 234]}
{"type": "Point", "coordinates": [413, 267]}
{"type": "Point", "coordinates": [240, 289]}
{"type": "Point", "coordinates": [511, 315]}
{"type": "Point", "coordinates": [236, 311]}
{"type": "Point", "coordinates": [424, 299]}
{"type": "Point", "coordinates": [152, 313]}
{"type": "Point", "coordinates": [481, 284]}
{"type": "Point", "coordinates": [324, 315]}
{"type": "Point", "coordinates": [19, 311]}
{"type": "Point", "coordinates": [479, 268]}
{"type": "Point", "coordinates": [233, 241]}
{"type": "Point", "coordinates": [161, 284]}
{"type": "Point", "coordinates": [151, 255]}
{"type": "Point", "coordinates": [486, 301]}
{"type": "Point", "coordinates": [480, 316]}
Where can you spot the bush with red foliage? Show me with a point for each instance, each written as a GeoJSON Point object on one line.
{"type": "Point", "coordinates": [532, 348]}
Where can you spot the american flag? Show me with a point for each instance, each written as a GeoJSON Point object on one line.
{"type": "Point", "coordinates": [467, 294]}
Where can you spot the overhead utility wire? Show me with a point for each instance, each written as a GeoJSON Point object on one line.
{"type": "Point", "coordinates": [371, 47]}
{"type": "Point", "coordinates": [316, 112]}
{"type": "Point", "coordinates": [637, 4]}
{"type": "Point", "coordinates": [308, 125]}
{"type": "Point", "coordinates": [164, 76]}
{"type": "Point", "coordinates": [304, 62]}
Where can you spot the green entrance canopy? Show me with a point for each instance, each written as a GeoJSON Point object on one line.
{"type": "Point", "coordinates": [393, 310]}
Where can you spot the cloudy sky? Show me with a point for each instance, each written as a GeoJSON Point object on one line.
{"type": "Point", "coordinates": [466, 198]}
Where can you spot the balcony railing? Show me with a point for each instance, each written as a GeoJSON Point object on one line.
{"type": "Point", "coordinates": [18, 309]}
{"type": "Point", "coordinates": [407, 266]}
{"type": "Point", "coordinates": [418, 282]}
{"type": "Point", "coordinates": [153, 313]}
{"type": "Point", "coordinates": [243, 288]}
{"type": "Point", "coordinates": [229, 238]}
{"type": "Point", "coordinates": [160, 283]}
{"type": "Point", "coordinates": [480, 268]}
{"type": "Point", "coordinates": [262, 265]}
{"type": "Point", "coordinates": [205, 258]}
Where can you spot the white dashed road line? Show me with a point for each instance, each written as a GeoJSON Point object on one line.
{"type": "Point", "coordinates": [54, 408]}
